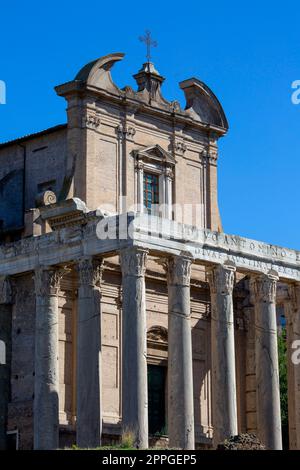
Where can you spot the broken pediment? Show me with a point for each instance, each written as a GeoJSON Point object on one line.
{"type": "Point", "coordinates": [201, 103]}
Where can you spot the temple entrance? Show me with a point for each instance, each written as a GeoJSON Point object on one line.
{"type": "Point", "coordinates": [157, 399]}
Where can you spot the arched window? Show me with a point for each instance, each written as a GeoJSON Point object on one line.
{"type": "Point", "coordinates": [2, 353]}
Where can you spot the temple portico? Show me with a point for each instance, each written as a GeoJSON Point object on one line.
{"type": "Point", "coordinates": [222, 257]}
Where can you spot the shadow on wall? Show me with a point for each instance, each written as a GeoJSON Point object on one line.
{"type": "Point", "coordinates": [11, 200]}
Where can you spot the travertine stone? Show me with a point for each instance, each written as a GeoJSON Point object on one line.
{"type": "Point", "coordinates": [134, 343]}
{"type": "Point", "coordinates": [224, 404]}
{"type": "Point", "coordinates": [263, 292]}
{"type": "Point", "coordinates": [293, 334]}
{"type": "Point", "coordinates": [180, 361]}
{"type": "Point", "coordinates": [46, 387]}
{"type": "Point", "coordinates": [88, 376]}
{"type": "Point", "coordinates": [5, 355]}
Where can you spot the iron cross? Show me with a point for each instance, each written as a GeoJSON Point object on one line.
{"type": "Point", "coordinates": [149, 42]}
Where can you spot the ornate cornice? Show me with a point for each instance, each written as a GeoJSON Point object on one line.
{"type": "Point", "coordinates": [5, 290]}
{"type": "Point", "coordinates": [90, 271]}
{"type": "Point", "coordinates": [179, 270]}
{"type": "Point", "coordinates": [47, 280]}
{"type": "Point", "coordinates": [133, 261]}
{"type": "Point", "coordinates": [221, 279]}
{"type": "Point", "coordinates": [263, 287]}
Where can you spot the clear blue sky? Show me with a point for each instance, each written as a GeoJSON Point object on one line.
{"type": "Point", "coordinates": [249, 54]}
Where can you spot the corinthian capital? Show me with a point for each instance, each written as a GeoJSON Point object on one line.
{"type": "Point", "coordinates": [47, 280]}
{"type": "Point", "coordinates": [179, 270]}
{"type": "Point", "coordinates": [5, 290]}
{"type": "Point", "coordinates": [221, 279]}
{"type": "Point", "coordinates": [90, 271]}
{"type": "Point", "coordinates": [133, 261]}
{"type": "Point", "coordinates": [263, 287]}
{"type": "Point", "coordinates": [292, 304]}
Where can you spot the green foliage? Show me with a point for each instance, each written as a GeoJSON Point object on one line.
{"type": "Point", "coordinates": [127, 440]}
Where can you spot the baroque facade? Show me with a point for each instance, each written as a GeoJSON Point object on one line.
{"type": "Point", "coordinates": [124, 307]}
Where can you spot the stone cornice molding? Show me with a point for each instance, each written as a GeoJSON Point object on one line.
{"type": "Point", "coordinates": [6, 296]}
{"type": "Point", "coordinates": [221, 279]}
{"type": "Point", "coordinates": [133, 261]}
{"type": "Point", "coordinates": [263, 287]}
{"type": "Point", "coordinates": [47, 280]}
{"type": "Point", "coordinates": [90, 271]}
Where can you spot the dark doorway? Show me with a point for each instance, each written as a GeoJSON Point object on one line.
{"type": "Point", "coordinates": [156, 399]}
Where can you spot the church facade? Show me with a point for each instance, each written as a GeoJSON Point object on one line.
{"type": "Point", "coordinates": [124, 307]}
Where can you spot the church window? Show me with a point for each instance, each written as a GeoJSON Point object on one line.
{"type": "Point", "coordinates": [151, 191]}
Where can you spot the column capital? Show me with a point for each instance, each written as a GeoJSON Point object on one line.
{"type": "Point", "coordinates": [263, 287]}
{"type": "Point", "coordinates": [221, 278]}
{"type": "Point", "coordinates": [47, 279]}
{"type": "Point", "coordinates": [293, 302]}
{"type": "Point", "coordinates": [178, 269]}
{"type": "Point", "coordinates": [89, 271]}
{"type": "Point", "coordinates": [294, 295]}
{"type": "Point", "coordinates": [133, 261]}
{"type": "Point", "coordinates": [5, 290]}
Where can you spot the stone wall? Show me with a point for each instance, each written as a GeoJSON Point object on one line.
{"type": "Point", "coordinates": [44, 160]}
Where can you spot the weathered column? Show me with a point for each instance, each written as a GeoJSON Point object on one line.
{"type": "Point", "coordinates": [88, 372]}
{"type": "Point", "coordinates": [5, 355]}
{"type": "Point", "coordinates": [180, 361]}
{"type": "Point", "coordinates": [134, 343]}
{"type": "Point", "coordinates": [224, 405]}
{"type": "Point", "coordinates": [263, 292]}
{"type": "Point", "coordinates": [293, 347]}
{"type": "Point", "coordinates": [249, 321]}
{"type": "Point", "coordinates": [46, 385]}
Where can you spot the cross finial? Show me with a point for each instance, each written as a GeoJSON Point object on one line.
{"type": "Point", "coordinates": [147, 39]}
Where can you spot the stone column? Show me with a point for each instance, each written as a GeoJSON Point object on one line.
{"type": "Point", "coordinates": [134, 344]}
{"type": "Point", "coordinates": [88, 372]}
{"type": "Point", "coordinates": [293, 345]}
{"type": "Point", "coordinates": [263, 292]}
{"type": "Point", "coordinates": [224, 404]}
{"type": "Point", "coordinates": [249, 321]}
{"type": "Point", "coordinates": [5, 355]}
{"type": "Point", "coordinates": [46, 385]}
{"type": "Point", "coordinates": [180, 361]}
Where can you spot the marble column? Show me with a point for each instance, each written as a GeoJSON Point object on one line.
{"type": "Point", "coordinates": [88, 372]}
{"type": "Point", "coordinates": [46, 384]}
{"type": "Point", "coordinates": [134, 345]}
{"type": "Point", "coordinates": [5, 355]}
{"type": "Point", "coordinates": [223, 374]}
{"type": "Point", "coordinates": [293, 344]}
{"type": "Point", "coordinates": [180, 361]}
{"type": "Point", "coordinates": [263, 293]}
